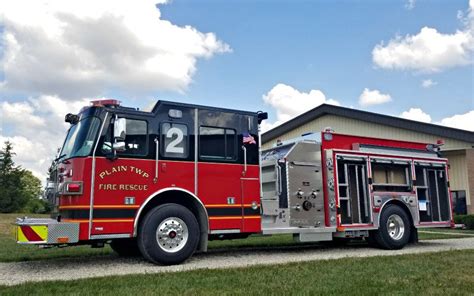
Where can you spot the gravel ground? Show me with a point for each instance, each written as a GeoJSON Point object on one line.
{"type": "Point", "coordinates": [68, 269]}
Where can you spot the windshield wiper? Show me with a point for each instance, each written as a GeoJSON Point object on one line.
{"type": "Point", "coordinates": [59, 157]}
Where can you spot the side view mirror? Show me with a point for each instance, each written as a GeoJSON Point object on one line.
{"type": "Point", "coordinates": [119, 146]}
{"type": "Point", "coordinates": [120, 129]}
{"type": "Point", "coordinates": [261, 116]}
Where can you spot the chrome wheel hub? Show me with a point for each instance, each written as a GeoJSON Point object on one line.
{"type": "Point", "coordinates": [395, 227]}
{"type": "Point", "coordinates": [172, 234]}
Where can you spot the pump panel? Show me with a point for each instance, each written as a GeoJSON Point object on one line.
{"type": "Point", "coordinates": [292, 181]}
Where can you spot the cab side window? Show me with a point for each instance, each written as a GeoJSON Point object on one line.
{"type": "Point", "coordinates": [217, 143]}
{"type": "Point", "coordinates": [135, 139]}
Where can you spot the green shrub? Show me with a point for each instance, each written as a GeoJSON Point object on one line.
{"type": "Point", "coordinates": [459, 219]}
{"type": "Point", "coordinates": [469, 221]}
{"type": "Point", "coordinates": [37, 206]}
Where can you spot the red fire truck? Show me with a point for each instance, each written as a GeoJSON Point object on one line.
{"type": "Point", "coordinates": [163, 183]}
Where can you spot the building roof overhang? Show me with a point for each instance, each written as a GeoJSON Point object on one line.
{"type": "Point", "coordinates": [397, 122]}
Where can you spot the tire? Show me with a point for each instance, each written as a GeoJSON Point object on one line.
{"type": "Point", "coordinates": [125, 247]}
{"type": "Point", "coordinates": [169, 234]}
{"type": "Point", "coordinates": [394, 229]}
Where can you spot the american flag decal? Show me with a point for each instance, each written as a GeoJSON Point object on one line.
{"type": "Point", "coordinates": [248, 139]}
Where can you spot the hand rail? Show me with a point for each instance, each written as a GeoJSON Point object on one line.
{"type": "Point", "coordinates": [157, 156]}
{"type": "Point", "coordinates": [279, 177]}
{"type": "Point", "coordinates": [245, 160]}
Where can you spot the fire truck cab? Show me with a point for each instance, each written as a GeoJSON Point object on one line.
{"type": "Point", "coordinates": [162, 183]}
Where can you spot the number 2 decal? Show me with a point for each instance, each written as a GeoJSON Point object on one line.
{"type": "Point", "coordinates": [172, 146]}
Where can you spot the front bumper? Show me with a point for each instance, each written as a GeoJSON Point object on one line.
{"type": "Point", "coordinates": [44, 231]}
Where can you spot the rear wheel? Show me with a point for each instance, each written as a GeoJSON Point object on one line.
{"type": "Point", "coordinates": [125, 247]}
{"type": "Point", "coordinates": [168, 235]}
{"type": "Point", "coordinates": [394, 230]}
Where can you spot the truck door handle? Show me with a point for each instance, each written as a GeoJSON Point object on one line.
{"type": "Point", "coordinates": [279, 176]}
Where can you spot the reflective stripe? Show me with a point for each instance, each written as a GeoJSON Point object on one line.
{"type": "Point", "coordinates": [233, 211]}
{"type": "Point", "coordinates": [98, 220]}
{"type": "Point", "coordinates": [35, 233]}
{"type": "Point", "coordinates": [229, 206]}
{"type": "Point", "coordinates": [20, 236]}
{"type": "Point", "coordinates": [234, 217]}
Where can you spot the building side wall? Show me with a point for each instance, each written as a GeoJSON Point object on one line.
{"type": "Point", "coordinates": [470, 172]}
{"type": "Point", "coordinates": [458, 172]}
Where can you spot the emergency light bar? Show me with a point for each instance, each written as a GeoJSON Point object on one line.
{"type": "Point", "coordinates": [105, 103]}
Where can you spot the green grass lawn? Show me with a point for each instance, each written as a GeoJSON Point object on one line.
{"type": "Point", "coordinates": [449, 230]}
{"type": "Point", "coordinates": [444, 273]}
{"type": "Point", "coordinates": [10, 251]}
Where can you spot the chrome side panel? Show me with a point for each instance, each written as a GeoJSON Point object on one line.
{"type": "Point", "coordinates": [403, 199]}
{"type": "Point", "coordinates": [292, 184]}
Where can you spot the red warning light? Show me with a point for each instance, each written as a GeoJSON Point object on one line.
{"type": "Point", "coordinates": [105, 103]}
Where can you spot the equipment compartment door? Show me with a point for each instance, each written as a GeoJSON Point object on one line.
{"type": "Point", "coordinates": [353, 190]}
{"type": "Point", "coordinates": [250, 204]}
{"type": "Point", "coordinates": [433, 194]}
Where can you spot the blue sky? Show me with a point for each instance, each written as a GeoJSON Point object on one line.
{"type": "Point", "coordinates": [407, 58]}
{"type": "Point", "coordinates": [322, 45]}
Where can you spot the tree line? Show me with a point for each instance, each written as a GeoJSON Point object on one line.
{"type": "Point", "coordinates": [20, 190]}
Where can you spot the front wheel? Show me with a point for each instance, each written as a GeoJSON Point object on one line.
{"type": "Point", "coordinates": [168, 235]}
{"type": "Point", "coordinates": [394, 229]}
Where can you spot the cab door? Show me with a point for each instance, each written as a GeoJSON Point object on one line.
{"type": "Point", "coordinates": [250, 179]}
{"type": "Point", "coordinates": [176, 148]}
{"type": "Point", "coordinates": [220, 170]}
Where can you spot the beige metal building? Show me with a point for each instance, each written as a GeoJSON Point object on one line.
{"type": "Point", "coordinates": [458, 147]}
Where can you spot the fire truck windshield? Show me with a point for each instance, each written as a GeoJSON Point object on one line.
{"type": "Point", "coordinates": [80, 138]}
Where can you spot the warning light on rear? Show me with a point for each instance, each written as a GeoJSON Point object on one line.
{"type": "Point", "coordinates": [62, 240]}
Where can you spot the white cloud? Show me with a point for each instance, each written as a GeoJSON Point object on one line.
{"type": "Point", "coordinates": [373, 97]}
{"type": "Point", "coordinates": [416, 114]}
{"type": "Point", "coordinates": [19, 114]}
{"type": "Point", "coordinates": [55, 53]}
{"type": "Point", "coordinates": [429, 50]}
{"type": "Point", "coordinates": [75, 49]}
{"type": "Point", "coordinates": [29, 154]}
{"type": "Point", "coordinates": [290, 102]}
{"type": "Point", "coordinates": [428, 83]}
{"type": "Point", "coordinates": [461, 121]}
{"type": "Point", "coordinates": [36, 128]}
{"type": "Point", "coordinates": [410, 4]}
